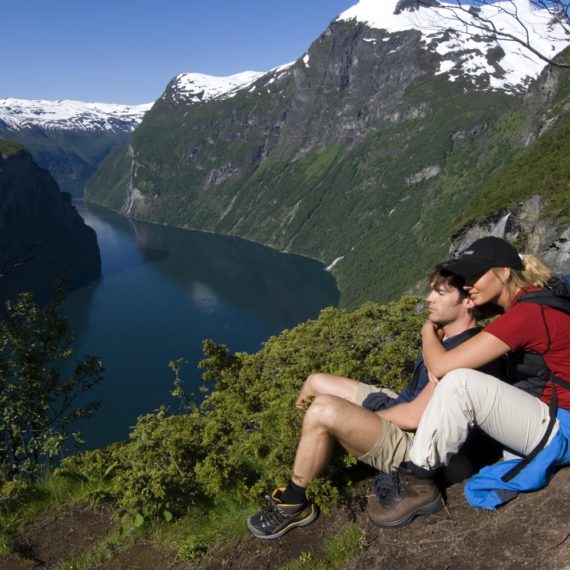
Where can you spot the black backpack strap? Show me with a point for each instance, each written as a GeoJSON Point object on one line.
{"type": "Point", "coordinates": [541, 444]}
{"type": "Point", "coordinates": [552, 409]}
{"type": "Point", "coordinates": [557, 297]}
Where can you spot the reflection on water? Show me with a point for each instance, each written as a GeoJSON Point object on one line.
{"type": "Point", "coordinates": [162, 292]}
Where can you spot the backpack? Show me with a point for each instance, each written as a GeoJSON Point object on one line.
{"type": "Point", "coordinates": [532, 367]}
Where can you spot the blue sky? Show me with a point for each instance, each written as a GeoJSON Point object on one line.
{"type": "Point", "coordinates": [126, 51]}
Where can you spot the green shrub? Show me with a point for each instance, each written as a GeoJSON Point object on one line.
{"type": "Point", "coordinates": [242, 438]}
{"type": "Point", "coordinates": [38, 402]}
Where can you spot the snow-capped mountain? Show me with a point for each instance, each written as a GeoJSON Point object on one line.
{"type": "Point", "coordinates": [456, 35]}
{"type": "Point", "coordinates": [69, 115]}
{"type": "Point", "coordinates": [366, 149]}
{"type": "Point", "coordinates": [491, 63]}
{"type": "Point", "coordinates": [68, 138]}
{"type": "Point", "coordinates": [199, 87]}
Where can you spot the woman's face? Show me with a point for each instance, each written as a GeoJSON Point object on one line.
{"type": "Point", "coordinates": [488, 287]}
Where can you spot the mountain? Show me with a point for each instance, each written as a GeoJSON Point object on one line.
{"type": "Point", "coordinates": [364, 153]}
{"type": "Point", "coordinates": [199, 87]}
{"type": "Point", "coordinates": [69, 138]}
{"type": "Point", "coordinates": [42, 237]}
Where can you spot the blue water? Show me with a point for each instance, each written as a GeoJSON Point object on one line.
{"type": "Point", "coordinates": [163, 290]}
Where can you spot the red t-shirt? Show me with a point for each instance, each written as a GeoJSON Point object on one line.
{"type": "Point", "coordinates": [522, 328]}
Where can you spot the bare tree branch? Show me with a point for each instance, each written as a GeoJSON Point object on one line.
{"type": "Point", "coordinates": [477, 18]}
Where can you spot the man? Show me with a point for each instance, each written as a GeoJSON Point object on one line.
{"type": "Point", "coordinates": [340, 411]}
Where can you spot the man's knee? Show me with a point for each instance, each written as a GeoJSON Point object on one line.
{"type": "Point", "coordinates": [315, 384]}
{"type": "Point", "coordinates": [312, 381]}
{"type": "Point", "coordinates": [324, 411]}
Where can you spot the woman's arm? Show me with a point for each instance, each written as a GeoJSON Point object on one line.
{"type": "Point", "coordinates": [408, 414]}
{"type": "Point", "coordinates": [473, 353]}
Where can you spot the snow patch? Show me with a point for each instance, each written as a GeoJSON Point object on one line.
{"type": "Point", "coordinates": [511, 72]}
{"type": "Point", "coordinates": [70, 115]}
{"type": "Point", "coordinates": [199, 87]}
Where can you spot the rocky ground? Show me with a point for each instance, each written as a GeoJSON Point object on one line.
{"type": "Point", "coordinates": [531, 532]}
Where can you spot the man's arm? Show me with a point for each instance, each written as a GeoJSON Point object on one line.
{"type": "Point", "coordinates": [407, 415]}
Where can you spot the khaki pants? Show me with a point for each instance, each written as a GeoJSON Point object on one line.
{"type": "Point", "coordinates": [466, 398]}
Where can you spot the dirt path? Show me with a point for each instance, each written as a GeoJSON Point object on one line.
{"type": "Point", "coordinates": [53, 539]}
{"type": "Point", "coordinates": [531, 532]}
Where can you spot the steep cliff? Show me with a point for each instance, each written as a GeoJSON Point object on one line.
{"type": "Point", "coordinates": [362, 153]}
{"type": "Point", "coordinates": [42, 237]}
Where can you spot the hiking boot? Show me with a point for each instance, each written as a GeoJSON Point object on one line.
{"type": "Point", "coordinates": [402, 496]}
{"type": "Point", "coordinates": [277, 517]}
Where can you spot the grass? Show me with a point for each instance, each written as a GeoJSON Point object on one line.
{"type": "Point", "coordinates": [198, 534]}
{"type": "Point", "coordinates": [205, 528]}
{"type": "Point", "coordinates": [117, 540]}
{"type": "Point", "coordinates": [338, 551]}
{"type": "Point", "coordinates": [51, 494]}
{"type": "Point", "coordinates": [189, 538]}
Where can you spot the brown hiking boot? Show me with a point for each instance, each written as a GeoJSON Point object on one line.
{"type": "Point", "coordinates": [401, 496]}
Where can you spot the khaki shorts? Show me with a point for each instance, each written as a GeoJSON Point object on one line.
{"type": "Point", "coordinates": [393, 444]}
{"type": "Point", "coordinates": [362, 390]}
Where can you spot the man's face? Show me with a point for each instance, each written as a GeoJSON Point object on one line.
{"type": "Point", "coordinates": [445, 305]}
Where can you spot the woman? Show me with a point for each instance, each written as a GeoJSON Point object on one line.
{"type": "Point", "coordinates": [523, 416]}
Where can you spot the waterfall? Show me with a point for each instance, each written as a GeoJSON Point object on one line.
{"type": "Point", "coordinates": [500, 227]}
{"type": "Point", "coordinates": [329, 268]}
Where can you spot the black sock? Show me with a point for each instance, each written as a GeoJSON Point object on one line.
{"type": "Point", "coordinates": [293, 494]}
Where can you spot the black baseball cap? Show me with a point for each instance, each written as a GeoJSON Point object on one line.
{"type": "Point", "coordinates": [484, 254]}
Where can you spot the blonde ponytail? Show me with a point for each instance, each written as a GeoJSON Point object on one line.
{"type": "Point", "coordinates": [534, 274]}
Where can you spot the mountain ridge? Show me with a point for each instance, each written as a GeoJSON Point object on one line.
{"type": "Point", "coordinates": [68, 138]}
{"type": "Point", "coordinates": [68, 114]}
{"type": "Point", "coordinates": [365, 149]}
{"type": "Point", "coordinates": [360, 153]}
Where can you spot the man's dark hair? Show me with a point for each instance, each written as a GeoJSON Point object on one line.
{"type": "Point", "coordinates": [439, 278]}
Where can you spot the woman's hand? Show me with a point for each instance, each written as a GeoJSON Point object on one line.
{"type": "Point", "coordinates": [429, 328]}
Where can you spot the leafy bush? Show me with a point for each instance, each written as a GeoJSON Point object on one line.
{"type": "Point", "coordinates": [36, 401]}
{"type": "Point", "coordinates": [242, 438]}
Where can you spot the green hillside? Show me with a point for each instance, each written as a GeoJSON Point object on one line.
{"type": "Point", "coordinates": [381, 204]}
{"type": "Point", "coordinates": [543, 169]}
{"type": "Point", "coordinates": [371, 161]}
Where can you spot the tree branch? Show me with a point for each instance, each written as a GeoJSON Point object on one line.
{"type": "Point", "coordinates": [467, 18]}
